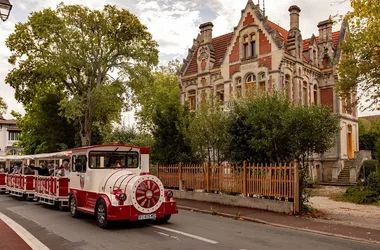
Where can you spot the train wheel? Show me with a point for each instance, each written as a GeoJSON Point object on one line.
{"type": "Point", "coordinates": [164, 219]}
{"type": "Point", "coordinates": [73, 207]}
{"type": "Point", "coordinates": [101, 214]}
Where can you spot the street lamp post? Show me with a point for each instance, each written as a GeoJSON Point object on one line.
{"type": "Point", "coordinates": [5, 9]}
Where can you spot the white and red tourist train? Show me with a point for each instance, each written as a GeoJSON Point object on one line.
{"type": "Point", "coordinates": [111, 182]}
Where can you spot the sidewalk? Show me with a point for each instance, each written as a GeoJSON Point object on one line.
{"type": "Point", "coordinates": [10, 240]}
{"type": "Point", "coordinates": [285, 221]}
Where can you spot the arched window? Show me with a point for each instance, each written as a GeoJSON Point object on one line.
{"type": "Point", "coordinates": [262, 79]}
{"type": "Point", "coordinates": [250, 83]}
{"type": "Point", "coordinates": [315, 94]}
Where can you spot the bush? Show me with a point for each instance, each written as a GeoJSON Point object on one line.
{"type": "Point", "coordinates": [369, 167]}
{"type": "Point", "coordinates": [361, 195]}
{"type": "Point", "coordinates": [373, 182]}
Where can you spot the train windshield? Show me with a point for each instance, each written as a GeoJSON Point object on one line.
{"type": "Point", "coordinates": [111, 159]}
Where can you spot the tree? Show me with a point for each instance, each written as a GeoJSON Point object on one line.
{"type": "Point", "coordinates": [169, 125]}
{"type": "Point", "coordinates": [43, 129]}
{"type": "Point", "coordinates": [360, 53]}
{"type": "Point", "coordinates": [208, 131]}
{"type": "Point", "coordinates": [312, 130]}
{"type": "Point", "coordinates": [77, 49]}
{"type": "Point", "coordinates": [153, 91]}
{"type": "Point", "coordinates": [129, 136]}
{"type": "Point", "coordinates": [3, 107]}
{"type": "Point", "coordinates": [257, 128]}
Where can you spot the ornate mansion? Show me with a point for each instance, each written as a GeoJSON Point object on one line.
{"type": "Point", "coordinates": [261, 54]}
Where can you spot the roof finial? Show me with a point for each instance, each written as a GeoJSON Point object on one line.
{"type": "Point", "coordinates": [264, 8]}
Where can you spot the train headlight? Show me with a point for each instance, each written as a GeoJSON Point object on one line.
{"type": "Point", "coordinates": [122, 197]}
{"type": "Point", "coordinates": [169, 194]}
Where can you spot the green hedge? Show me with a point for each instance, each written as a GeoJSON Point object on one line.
{"type": "Point", "coordinates": [369, 167]}
{"type": "Point", "coordinates": [361, 195]}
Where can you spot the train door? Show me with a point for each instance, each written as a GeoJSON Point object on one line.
{"type": "Point", "coordinates": [78, 177]}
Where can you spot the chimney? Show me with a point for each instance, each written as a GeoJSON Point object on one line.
{"type": "Point", "coordinates": [325, 31]}
{"type": "Point", "coordinates": [294, 17]}
{"type": "Point", "coordinates": [206, 32]}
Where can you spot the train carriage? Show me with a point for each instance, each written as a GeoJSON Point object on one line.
{"type": "Point", "coordinates": [53, 190]}
{"type": "Point", "coordinates": [113, 182]}
{"type": "Point", "coordinates": [3, 177]}
{"type": "Point", "coordinates": [18, 184]}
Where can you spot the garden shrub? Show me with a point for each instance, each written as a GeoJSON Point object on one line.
{"type": "Point", "coordinates": [373, 182]}
{"type": "Point", "coordinates": [369, 167]}
{"type": "Point", "coordinates": [361, 195]}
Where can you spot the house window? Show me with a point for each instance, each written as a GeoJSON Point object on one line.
{"type": "Point", "coordinates": [251, 83]}
{"type": "Point", "coordinates": [13, 136]}
{"type": "Point", "coordinates": [287, 85]}
{"type": "Point", "coordinates": [253, 44]}
{"type": "Point", "coordinates": [315, 57]}
{"type": "Point", "coordinates": [246, 48]}
{"type": "Point", "coordinates": [304, 93]}
{"type": "Point", "coordinates": [262, 78]}
{"type": "Point", "coordinates": [192, 100]}
{"type": "Point", "coordinates": [315, 94]}
{"type": "Point", "coordinates": [238, 87]}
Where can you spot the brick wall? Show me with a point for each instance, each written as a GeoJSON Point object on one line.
{"type": "Point", "coordinates": [264, 44]}
{"type": "Point", "coordinates": [234, 56]}
{"type": "Point", "coordinates": [234, 68]}
{"type": "Point", "coordinates": [248, 19]}
{"type": "Point", "coordinates": [267, 61]}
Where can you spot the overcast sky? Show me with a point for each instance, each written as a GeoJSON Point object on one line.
{"type": "Point", "coordinates": [173, 24]}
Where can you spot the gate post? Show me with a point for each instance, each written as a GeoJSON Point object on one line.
{"type": "Point", "coordinates": [208, 177]}
{"type": "Point", "coordinates": [245, 178]}
{"type": "Point", "coordinates": [180, 185]}
{"type": "Point", "coordinates": [158, 170]}
{"type": "Point", "coordinates": [296, 188]}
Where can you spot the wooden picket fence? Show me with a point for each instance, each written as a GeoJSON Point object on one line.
{"type": "Point", "coordinates": [276, 181]}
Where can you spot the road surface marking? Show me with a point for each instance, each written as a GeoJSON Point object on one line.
{"type": "Point", "coordinates": [187, 234]}
{"type": "Point", "coordinates": [29, 239]}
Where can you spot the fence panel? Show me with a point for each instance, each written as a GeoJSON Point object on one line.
{"type": "Point", "coordinates": [260, 180]}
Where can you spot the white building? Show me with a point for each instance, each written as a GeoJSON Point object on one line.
{"type": "Point", "coordinates": [9, 135]}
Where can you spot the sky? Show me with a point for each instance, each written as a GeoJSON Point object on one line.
{"type": "Point", "coordinates": [174, 24]}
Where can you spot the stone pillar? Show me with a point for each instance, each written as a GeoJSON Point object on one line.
{"type": "Point", "coordinates": [294, 17]}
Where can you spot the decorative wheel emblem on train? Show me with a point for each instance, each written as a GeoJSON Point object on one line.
{"type": "Point", "coordinates": [147, 193]}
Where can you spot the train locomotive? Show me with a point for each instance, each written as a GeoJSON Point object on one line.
{"type": "Point", "coordinates": [111, 182]}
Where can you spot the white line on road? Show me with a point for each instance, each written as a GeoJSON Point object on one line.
{"type": "Point", "coordinates": [29, 239]}
{"type": "Point", "coordinates": [187, 234]}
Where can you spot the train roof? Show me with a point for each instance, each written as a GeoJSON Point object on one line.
{"type": "Point", "coordinates": [107, 145]}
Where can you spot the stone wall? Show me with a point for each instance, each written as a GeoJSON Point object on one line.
{"type": "Point", "coordinates": [238, 201]}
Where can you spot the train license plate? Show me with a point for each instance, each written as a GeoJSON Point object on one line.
{"type": "Point", "coordinates": [147, 217]}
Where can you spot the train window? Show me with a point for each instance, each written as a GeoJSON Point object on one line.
{"type": "Point", "coordinates": [79, 163]}
{"type": "Point", "coordinates": [111, 159]}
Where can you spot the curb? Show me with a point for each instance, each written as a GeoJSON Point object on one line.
{"type": "Point", "coordinates": [29, 239]}
{"type": "Point", "coordinates": [280, 225]}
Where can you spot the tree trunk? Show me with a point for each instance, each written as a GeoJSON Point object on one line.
{"type": "Point", "coordinates": [86, 122]}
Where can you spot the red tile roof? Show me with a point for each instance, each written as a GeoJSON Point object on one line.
{"type": "Point", "coordinates": [335, 38]}
{"type": "Point", "coordinates": [282, 34]}
{"type": "Point", "coordinates": [220, 44]}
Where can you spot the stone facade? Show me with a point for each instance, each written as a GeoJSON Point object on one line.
{"type": "Point", "coordinates": [261, 54]}
{"type": "Point", "coordinates": [9, 135]}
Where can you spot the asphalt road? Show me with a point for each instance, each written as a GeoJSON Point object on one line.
{"type": "Point", "coordinates": [187, 230]}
